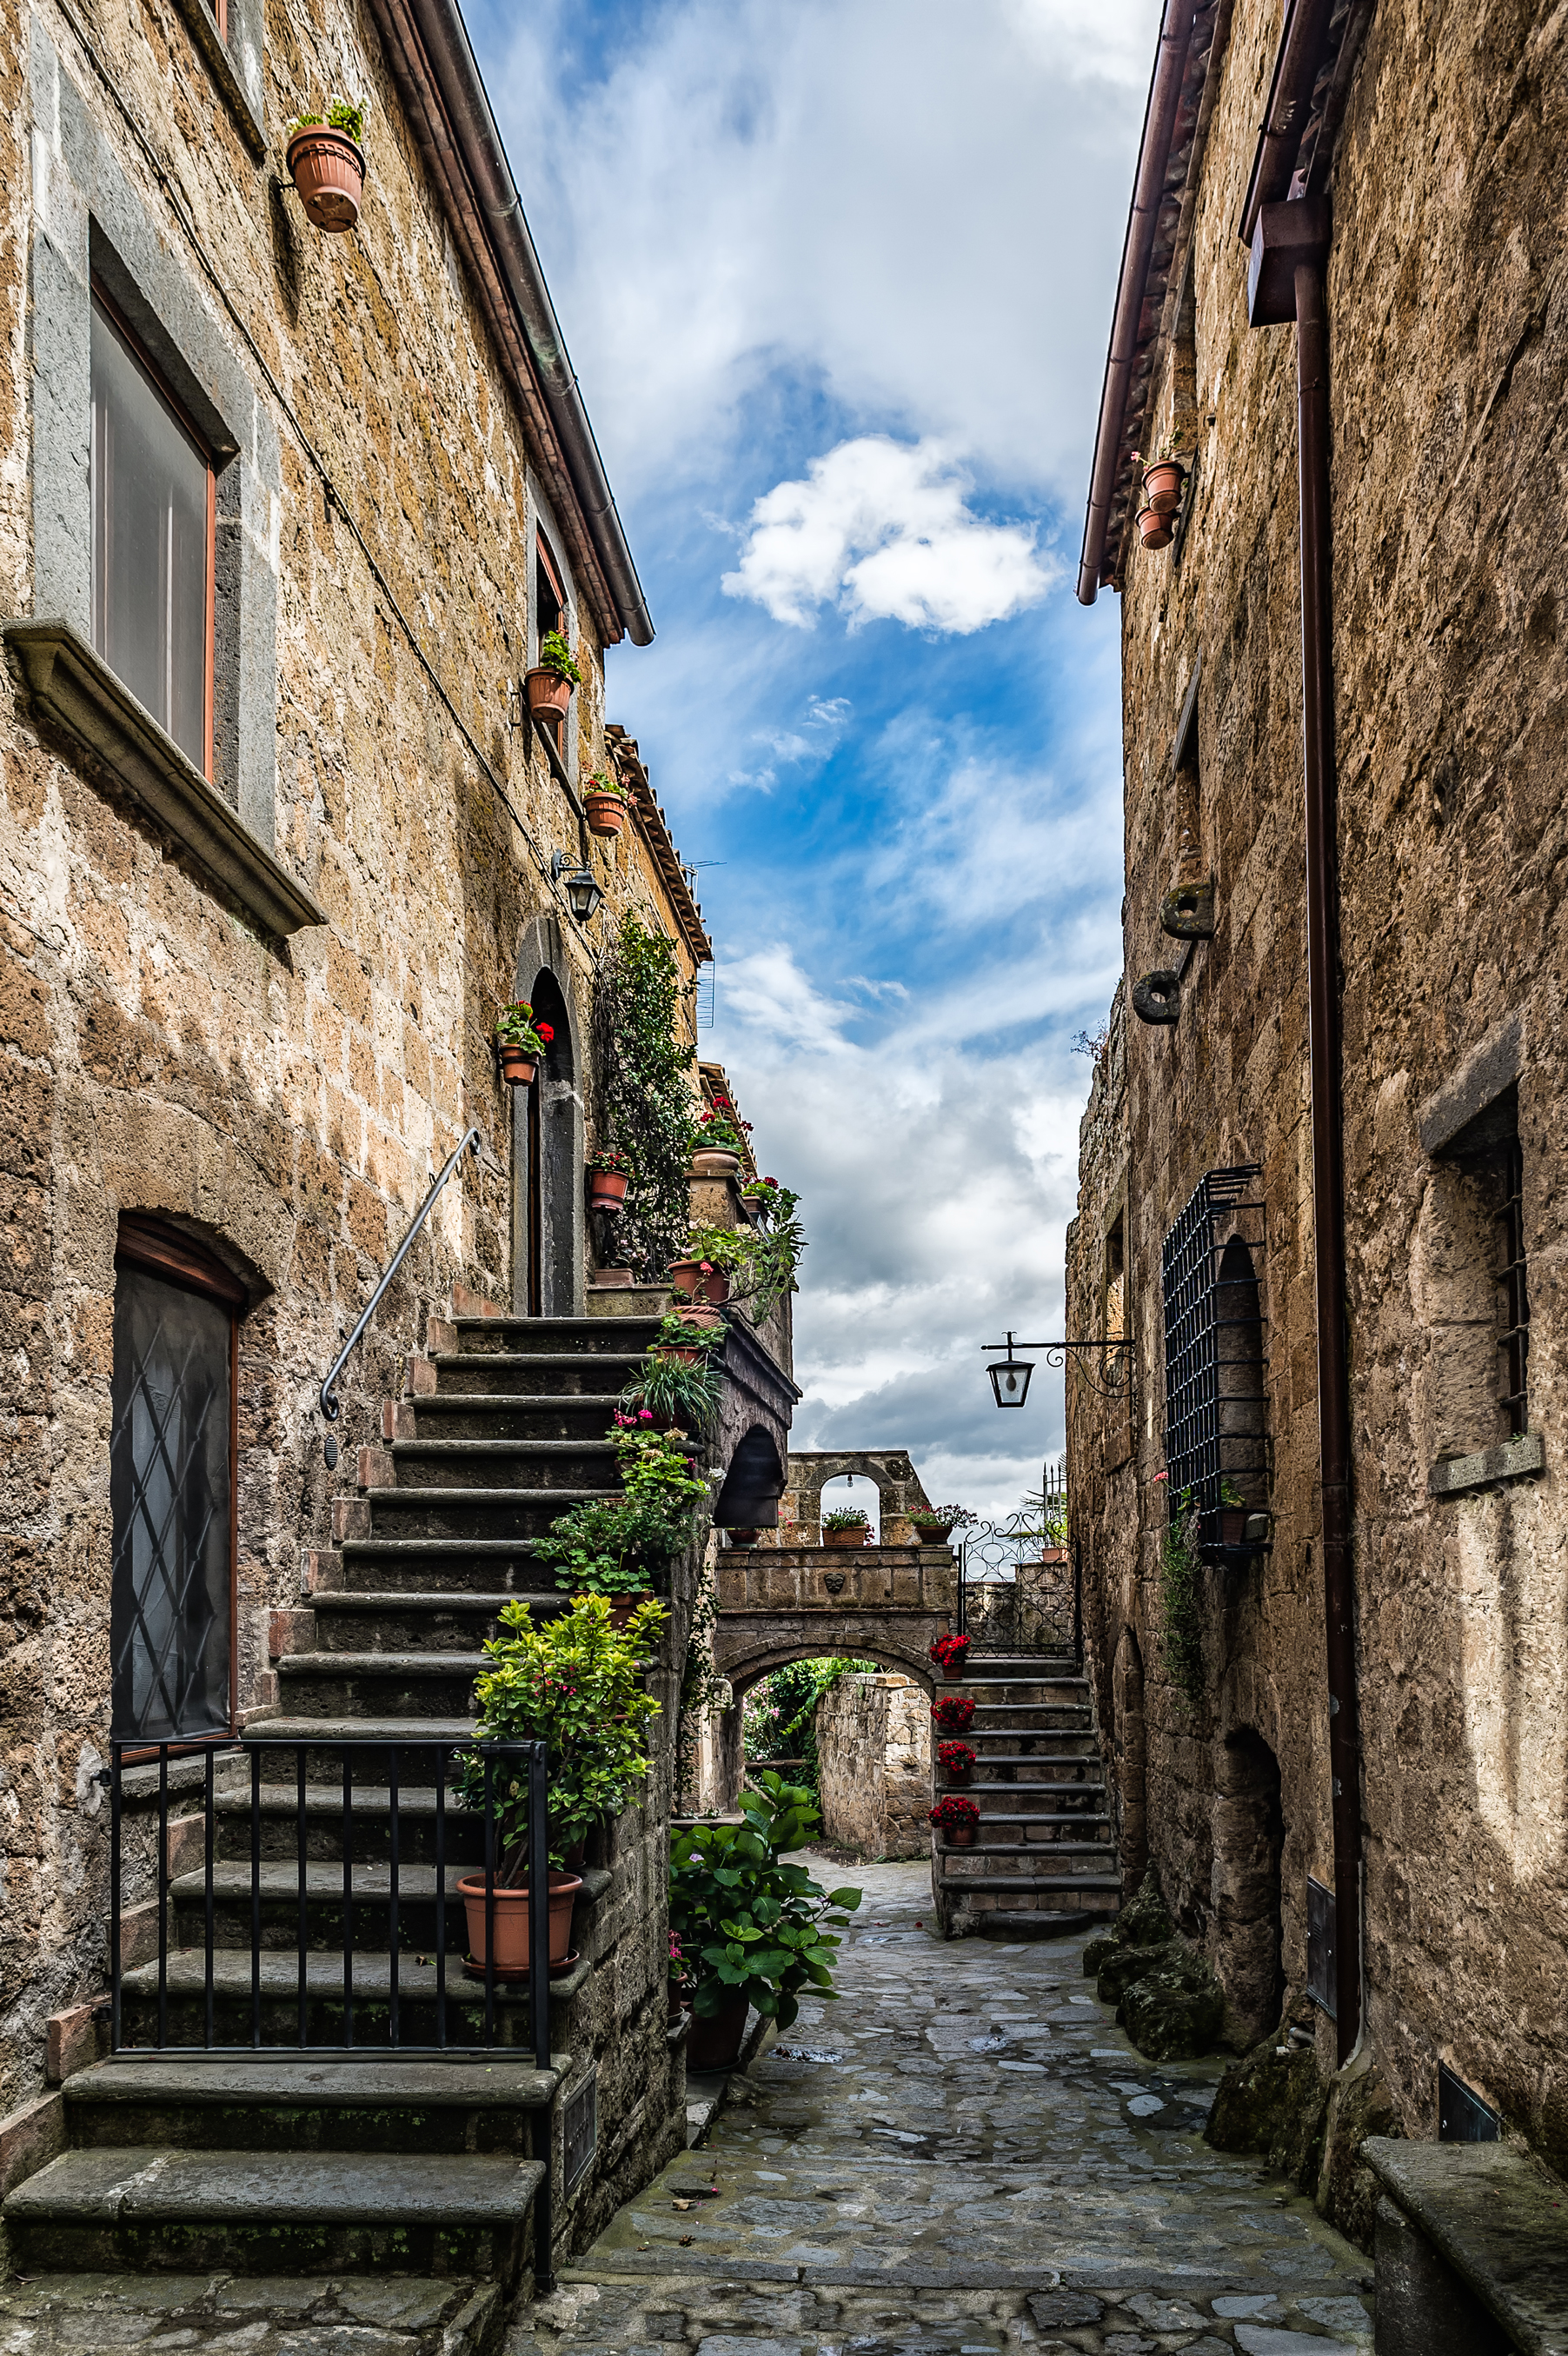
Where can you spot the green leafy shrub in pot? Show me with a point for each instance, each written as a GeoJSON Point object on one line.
{"type": "Point", "coordinates": [751, 1927]}
{"type": "Point", "coordinates": [574, 1682]}
{"type": "Point", "coordinates": [847, 1517]}
{"type": "Point", "coordinates": [621, 1546]}
{"type": "Point", "coordinates": [555, 656]}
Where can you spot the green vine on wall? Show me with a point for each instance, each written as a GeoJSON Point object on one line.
{"type": "Point", "coordinates": [642, 1068]}
{"type": "Point", "coordinates": [1181, 1626]}
{"type": "Point", "coordinates": [702, 1690]}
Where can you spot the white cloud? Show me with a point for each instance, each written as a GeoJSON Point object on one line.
{"type": "Point", "coordinates": [881, 528]}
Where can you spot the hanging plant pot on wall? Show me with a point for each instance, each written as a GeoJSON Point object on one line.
{"type": "Point", "coordinates": [605, 805]}
{"type": "Point", "coordinates": [328, 172]}
{"type": "Point", "coordinates": [1162, 485]}
{"type": "Point", "coordinates": [1154, 530]}
{"type": "Point", "coordinates": [550, 695]}
{"type": "Point", "coordinates": [518, 1067]}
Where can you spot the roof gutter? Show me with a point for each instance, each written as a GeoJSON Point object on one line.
{"type": "Point", "coordinates": [435, 61]}
{"type": "Point", "coordinates": [1154, 156]}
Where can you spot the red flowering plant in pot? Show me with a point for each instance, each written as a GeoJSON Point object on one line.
{"type": "Point", "coordinates": [610, 1172]}
{"type": "Point", "coordinates": [719, 1141]}
{"type": "Point", "coordinates": [604, 799]}
{"type": "Point", "coordinates": [953, 1713]}
{"type": "Point", "coordinates": [325, 161]}
{"type": "Point", "coordinates": [950, 1654]}
{"type": "Point", "coordinates": [522, 1043]}
{"type": "Point", "coordinates": [956, 1819]}
{"type": "Point", "coordinates": [957, 1761]}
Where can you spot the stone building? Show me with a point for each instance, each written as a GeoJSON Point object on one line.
{"type": "Point", "coordinates": [284, 517]}
{"type": "Point", "coordinates": [1319, 1216]}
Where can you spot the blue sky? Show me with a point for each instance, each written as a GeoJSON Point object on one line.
{"type": "Point", "coordinates": [836, 282]}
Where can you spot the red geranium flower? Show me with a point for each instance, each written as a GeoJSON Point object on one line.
{"type": "Point", "coordinates": [546, 1030]}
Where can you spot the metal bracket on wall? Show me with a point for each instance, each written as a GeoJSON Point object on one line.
{"type": "Point", "coordinates": [1112, 1382]}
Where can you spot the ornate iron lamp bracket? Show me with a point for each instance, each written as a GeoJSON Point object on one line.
{"type": "Point", "coordinates": [1113, 1380]}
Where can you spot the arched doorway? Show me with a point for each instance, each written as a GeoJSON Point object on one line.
{"type": "Point", "coordinates": [547, 1148]}
{"type": "Point", "coordinates": [1130, 1753]}
{"type": "Point", "coordinates": [1238, 1311]}
{"type": "Point", "coordinates": [753, 1482]}
{"type": "Point", "coordinates": [1249, 1844]}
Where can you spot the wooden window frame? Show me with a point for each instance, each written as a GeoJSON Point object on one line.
{"type": "Point", "coordinates": [144, 359]}
{"type": "Point", "coordinates": [160, 1250]}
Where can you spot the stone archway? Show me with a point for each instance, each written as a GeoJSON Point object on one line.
{"type": "Point", "coordinates": [889, 1470]}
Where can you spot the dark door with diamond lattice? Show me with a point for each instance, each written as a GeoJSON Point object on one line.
{"type": "Point", "coordinates": [171, 1487]}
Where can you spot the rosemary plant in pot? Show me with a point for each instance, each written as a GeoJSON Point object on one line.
{"type": "Point", "coordinates": [575, 1683]}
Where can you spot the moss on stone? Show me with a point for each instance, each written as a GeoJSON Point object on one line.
{"type": "Point", "coordinates": [1358, 2105]}
{"type": "Point", "coordinates": [1174, 2014]}
{"type": "Point", "coordinates": [1273, 2100]}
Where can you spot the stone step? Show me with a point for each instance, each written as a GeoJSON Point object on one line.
{"type": "Point", "coordinates": [278, 1895]}
{"type": "Point", "coordinates": [568, 1466]}
{"type": "Point", "coordinates": [376, 1619]}
{"type": "Point", "coordinates": [418, 2006]}
{"type": "Point", "coordinates": [381, 1684]}
{"type": "Point", "coordinates": [373, 1738]}
{"type": "Point", "coordinates": [447, 1511]}
{"type": "Point", "coordinates": [553, 1336]}
{"type": "Point", "coordinates": [347, 2314]}
{"type": "Point", "coordinates": [297, 2213]}
{"type": "Point", "coordinates": [1011, 1712]}
{"type": "Point", "coordinates": [278, 1822]}
{"type": "Point", "coordinates": [1056, 1827]}
{"type": "Point", "coordinates": [265, 2103]}
{"type": "Point", "coordinates": [1079, 1741]}
{"type": "Point", "coordinates": [992, 1917]}
{"type": "Point", "coordinates": [1088, 1757]}
{"type": "Point", "coordinates": [1074, 1884]}
{"type": "Point", "coordinates": [444, 1566]}
{"type": "Point", "coordinates": [1047, 1792]}
{"type": "Point", "coordinates": [541, 1373]}
{"type": "Point", "coordinates": [511, 1415]}
{"type": "Point", "coordinates": [1085, 1856]}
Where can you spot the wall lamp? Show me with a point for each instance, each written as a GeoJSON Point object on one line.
{"type": "Point", "coordinates": [583, 894]}
{"type": "Point", "coordinates": [1010, 1375]}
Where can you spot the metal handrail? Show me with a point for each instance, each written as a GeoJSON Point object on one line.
{"type": "Point", "coordinates": [330, 1404]}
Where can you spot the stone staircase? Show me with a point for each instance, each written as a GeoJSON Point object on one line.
{"type": "Point", "coordinates": [1044, 1862]}
{"type": "Point", "coordinates": [276, 2163]}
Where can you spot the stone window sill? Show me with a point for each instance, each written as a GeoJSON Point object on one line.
{"type": "Point", "coordinates": [71, 687]}
{"type": "Point", "coordinates": [1458, 1476]}
{"type": "Point", "coordinates": [204, 30]}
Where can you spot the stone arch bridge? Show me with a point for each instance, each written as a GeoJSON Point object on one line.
{"type": "Point", "coordinates": [887, 1603]}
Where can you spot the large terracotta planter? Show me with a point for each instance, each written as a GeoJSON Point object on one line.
{"type": "Point", "coordinates": [518, 1067]}
{"type": "Point", "coordinates": [713, 1163]}
{"type": "Point", "coordinates": [715, 2043]}
{"type": "Point", "coordinates": [511, 1920]}
{"type": "Point", "coordinates": [1162, 486]}
{"type": "Point", "coordinates": [846, 1537]}
{"type": "Point", "coordinates": [607, 1189]}
{"type": "Point", "coordinates": [606, 813]}
{"type": "Point", "coordinates": [328, 172]}
{"type": "Point", "coordinates": [550, 695]}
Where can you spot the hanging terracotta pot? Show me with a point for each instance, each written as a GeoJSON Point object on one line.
{"type": "Point", "coordinates": [1162, 485]}
{"type": "Point", "coordinates": [517, 1067]}
{"type": "Point", "coordinates": [606, 813]}
{"type": "Point", "coordinates": [712, 1162]}
{"type": "Point", "coordinates": [328, 171]}
{"type": "Point", "coordinates": [550, 695]}
{"type": "Point", "coordinates": [1155, 528]}
{"type": "Point", "coordinates": [511, 1920]}
{"type": "Point", "coordinates": [607, 1189]}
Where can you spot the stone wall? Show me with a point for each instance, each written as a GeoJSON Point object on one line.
{"type": "Point", "coordinates": [286, 1102]}
{"type": "Point", "coordinates": [873, 1750]}
{"type": "Point", "coordinates": [1448, 323]}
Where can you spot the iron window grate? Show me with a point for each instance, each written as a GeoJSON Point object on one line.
{"type": "Point", "coordinates": [1215, 1439]}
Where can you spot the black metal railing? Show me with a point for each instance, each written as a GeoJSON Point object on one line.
{"type": "Point", "coordinates": [409, 1999]}
{"type": "Point", "coordinates": [1011, 1598]}
{"type": "Point", "coordinates": [468, 1143]}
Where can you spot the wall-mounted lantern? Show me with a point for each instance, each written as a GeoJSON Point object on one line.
{"type": "Point", "coordinates": [1009, 1375]}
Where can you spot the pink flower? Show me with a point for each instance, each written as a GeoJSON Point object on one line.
{"type": "Point", "coordinates": [645, 1415]}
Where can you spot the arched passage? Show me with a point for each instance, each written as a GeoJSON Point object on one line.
{"type": "Point", "coordinates": [547, 1146]}
{"type": "Point", "coordinates": [753, 1483]}
{"type": "Point", "coordinates": [845, 1492]}
{"type": "Point", "coordinates": [1238, 1308]}
{"type": "Point", "coordinates": [1249, 1844]}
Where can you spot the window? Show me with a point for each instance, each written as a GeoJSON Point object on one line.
{"type": "Point", "coordinates": [154, 521]}
{"type": "Point", "coordinates": [1475, 1281]}
{"type": "Point", "coordinates": [172, 1486]}
{"type": "Point", "coordinates": [549, 597]}
{"type": "Point", "coordinates": [1216, 1444]}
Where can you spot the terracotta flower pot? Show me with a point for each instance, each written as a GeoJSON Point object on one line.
{"type": "Point", "coordinates": [328, 171]}
{"type": "Point", "coordinates": [741, 1538]}
{"type": "Point", "coordinates": [711, 1161]}
{"type": "Point", "coordinates": [686, 1276]}
{"type": "Point", "coordinates": [1155, 528]}
{"type": "Point", "coordinates": [846, 1537]}
{"type": "Point", "coordinates": [511, 1920]}
{"type": "Point", "coordinates": [606, 813]}
{"type": "Point", "coordinates": [1162, 486]}
{"type": "Point", "coordinates": [1234, 1525]}
{"type": "Point", "coordinates": [932, 1532]}
{"type": "Point", "coordinates": [610, 1280]}
{"type": "Point", "coordinates": [954, 1672]}
{"type": "Point", "coordinates": [623, 1606]}
{"type": "Point", "coordinates": [607, 1189]}
{"type": "Point", "coordinates": [715, 2043]}
{"type": "Point", "coordinates": [550, 695]}
{"type": "Point", "coordinates": [517, 1067]}
{"type": "Point", "coordinates": [1050, 1555]}
{"type": "Point", "coordinates": [959, 1774]}
{"type": "Point", "coordinates": [704, 1314]}
{"type": "Point", "coordinates": [959, 1836]}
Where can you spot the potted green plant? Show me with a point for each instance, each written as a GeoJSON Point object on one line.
{"type": "Point", "coordinates": [521, 1042]}
{"type": "Point", "coordinates": [699, 1279]}
{"type": "Point", "coordinates": [617, 1547]}
{"type": "Point", "coordinates": [681, 1336]}
{"type": "Point", "coordinates": [549, 686]}
{"type": "Point", "coordinates": [934, 1525]}
{"type": "Point", "coordinates": [325, 161]}
{"type": "Point", "coordinates": [575, 1683]}
{"type": "Point", "coordinates": [847, 1525]}
{"type": "Point", "coordinates": [604, 799]}
{"type": "Point", "coordinates": [956, 1819]}
{"type": "Point", "coordinates": [950, 1653]}
{"type": "Point", "coordinates": [753, 1930]}
{"type": "Point", "coordinates": [679, 1385]}
{"type": "Point", "coordinates": [719, 1141]}
{"type": "Point", "coordinates": [957, 1761]}
{"type": "Point", "coordinates": [610, 1172]}
{"type": "Point", "coordinates": [1233, 1511]}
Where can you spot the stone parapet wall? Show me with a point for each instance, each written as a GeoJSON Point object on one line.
{"type": "Point", "coordinates": [873, 1751]}
{"type": "Point", "coordinates": [874, 1579]}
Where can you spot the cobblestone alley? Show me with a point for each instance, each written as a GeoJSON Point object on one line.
{"type": "Point", "coordinates": [963, 2154]}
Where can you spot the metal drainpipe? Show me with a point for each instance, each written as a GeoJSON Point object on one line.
{"type": "Point", "coordinates": [1328, 1140]}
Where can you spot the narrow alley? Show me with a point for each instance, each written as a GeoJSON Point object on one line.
{"type": "Point", "coordinates": [962, 2156]}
